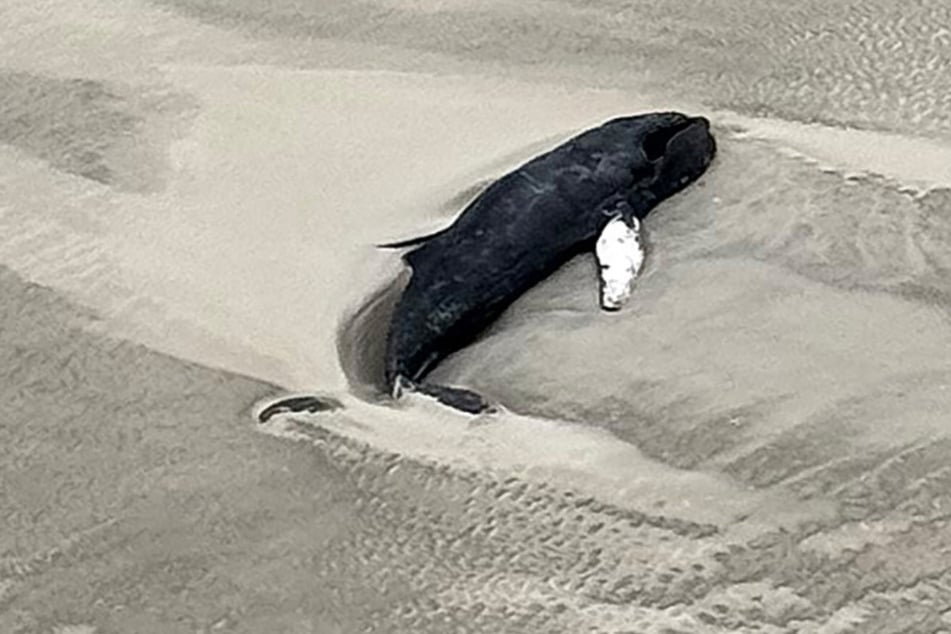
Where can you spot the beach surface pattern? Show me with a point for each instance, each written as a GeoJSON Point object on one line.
{"type": "Point", "coordinates": [190, 192]}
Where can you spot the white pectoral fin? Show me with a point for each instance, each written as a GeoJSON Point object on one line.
{"type": "Point", "coordinates": [620, 256]}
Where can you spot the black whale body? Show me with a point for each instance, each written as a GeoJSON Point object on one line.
{"type": "Point", "coordinates": [526, 225]}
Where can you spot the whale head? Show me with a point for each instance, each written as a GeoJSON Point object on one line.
{"type": "Point", "coordinates": [664, 152]}
{"type": "Point", "coordinates": [678, 149]}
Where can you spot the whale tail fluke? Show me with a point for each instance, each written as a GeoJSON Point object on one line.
{"type": "Point", "coordinates": [457, 398]}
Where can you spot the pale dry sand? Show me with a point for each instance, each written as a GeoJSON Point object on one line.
{"type": "Point", "coordinates": [759, 444]}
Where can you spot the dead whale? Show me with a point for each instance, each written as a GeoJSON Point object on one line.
{"type": "Point", "coordinates": [522, 228]}
{"type": "Point", "coordinates": [527, 224]}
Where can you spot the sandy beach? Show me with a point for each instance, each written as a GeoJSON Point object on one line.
{"type": "Point", "coordinates": [190, 195]}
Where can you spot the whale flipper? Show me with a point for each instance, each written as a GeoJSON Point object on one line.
{"type": "Point", "coordinates": [620, 256]}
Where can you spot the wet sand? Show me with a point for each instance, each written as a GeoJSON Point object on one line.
{"type": "Point", "coordinates": [190, 193]}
